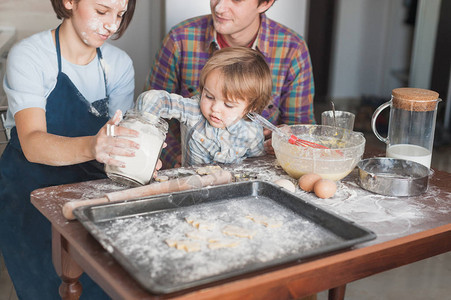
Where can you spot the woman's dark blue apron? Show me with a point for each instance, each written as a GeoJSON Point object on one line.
{"type": "Point", "coordinates": [25, 234]}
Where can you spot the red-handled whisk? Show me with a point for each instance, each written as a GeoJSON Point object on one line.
{"type": "Point", "coordinates": [292, 139]}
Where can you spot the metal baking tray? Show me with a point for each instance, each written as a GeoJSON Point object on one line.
{"type": "Point", "coordinates": [135, 233]}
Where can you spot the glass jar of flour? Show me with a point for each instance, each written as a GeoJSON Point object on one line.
{"type": "Point", "coordinates": [139, 169]}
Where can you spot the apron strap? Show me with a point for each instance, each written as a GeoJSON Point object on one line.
{"type": "Point", "coordinates": [100, 56]}
{"type": "Point", "coordinates": [58, 50]}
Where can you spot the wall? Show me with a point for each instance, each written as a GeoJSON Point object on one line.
{"type": "Point", "coordinates": [371, 43]}
{"type": "Point", "coordinates": [424, 43]}
{"type": "Point", "coordinates": [291, 13]}
{"type": "Point", "coordinates": [27, 16]}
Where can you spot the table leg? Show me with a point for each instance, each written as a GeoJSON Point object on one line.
{"type": "Point", "coordinates": [66, 268]}
{"type": "Point", "coordinates": [337, 293]}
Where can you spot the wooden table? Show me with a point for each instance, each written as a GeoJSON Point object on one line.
{"type": "Point", "coordinates": [408, 229]}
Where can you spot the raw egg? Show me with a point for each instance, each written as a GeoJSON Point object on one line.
{"type": "Point", "coordinates": [325, 188]}
{"type": "Point", "coordinates": [285, 183]}
{"type": "Point", "coordinates": [307, 181]}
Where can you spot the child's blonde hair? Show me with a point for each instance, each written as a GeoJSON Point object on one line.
{"type": "Point", "coordinates": [245, 76]}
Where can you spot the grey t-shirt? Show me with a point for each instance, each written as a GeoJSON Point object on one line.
{"type": "Point", "coordinates": [32, 69]}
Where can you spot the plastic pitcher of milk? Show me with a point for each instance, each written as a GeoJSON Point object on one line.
{"type": "Point", "coordinates": [411, 126]}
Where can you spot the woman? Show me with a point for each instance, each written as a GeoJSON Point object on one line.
{"type": "Point", "coordinates": [63, 86]}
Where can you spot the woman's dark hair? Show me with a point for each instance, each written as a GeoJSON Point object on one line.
{"type": "Point", "coordinates": [63, 13]}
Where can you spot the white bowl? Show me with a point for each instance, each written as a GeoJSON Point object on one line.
{"type": "Point", "coordinates": [345, 150]}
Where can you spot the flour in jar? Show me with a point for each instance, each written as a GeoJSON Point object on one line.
{"type": "Point", "coordinates": [139, 168]}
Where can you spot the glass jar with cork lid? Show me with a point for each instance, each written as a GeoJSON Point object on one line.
{"type": "Point", "coordinates": [411, 126]}
{"type": "Point", "coordinates": [139, 169]}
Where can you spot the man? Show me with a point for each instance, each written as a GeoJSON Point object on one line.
{"type": "Point", "coordinates": [189, 44]}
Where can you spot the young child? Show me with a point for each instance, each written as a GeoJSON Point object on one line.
{"type": "Point", "coordinates": [234, 81]}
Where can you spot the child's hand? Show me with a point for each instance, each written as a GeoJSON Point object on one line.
{"type": "Point", "coordinates": [158, 167]}
{"type": "Point", "coordinates": [159, 164]}
{"type": "Point", "coordinates": [179, 161]}
{"type": "Point", "coordinates": [267, 145]}
{"type": "Point", "coordinates": [267, 133]}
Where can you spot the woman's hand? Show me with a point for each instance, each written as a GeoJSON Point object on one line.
{"type": "Point", "coordinates": [109, 143]}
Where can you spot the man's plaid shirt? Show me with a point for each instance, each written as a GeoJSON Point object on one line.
{"type": "Point", "coordinates": [189, 44]}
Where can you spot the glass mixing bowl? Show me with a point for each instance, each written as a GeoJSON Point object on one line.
{"type": "Point", "coordinates": [345, 150]}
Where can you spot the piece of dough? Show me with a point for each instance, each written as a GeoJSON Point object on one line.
{"type": "Point", "coordinates": [287, 184]}
{"type": "Point", "coordinates": [238, 232]}
{"type": "Point", "coordinates": [161, 178]}
{"type": "Point", "coordinates": [208, 170]}
{"type": "Point", "coordinates": [200, 224]}
{"type": "Point", "coordinates": [264, 220]}
{"type": "Point", "coordinates": [188, 246]}
{"type": "Point", "coordinates": [171, 243]}
{"type": "Point", "coordinates": [213, 240]}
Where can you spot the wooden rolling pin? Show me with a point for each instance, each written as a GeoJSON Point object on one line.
{"type": "Point", "coordinates": [174, 185]}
